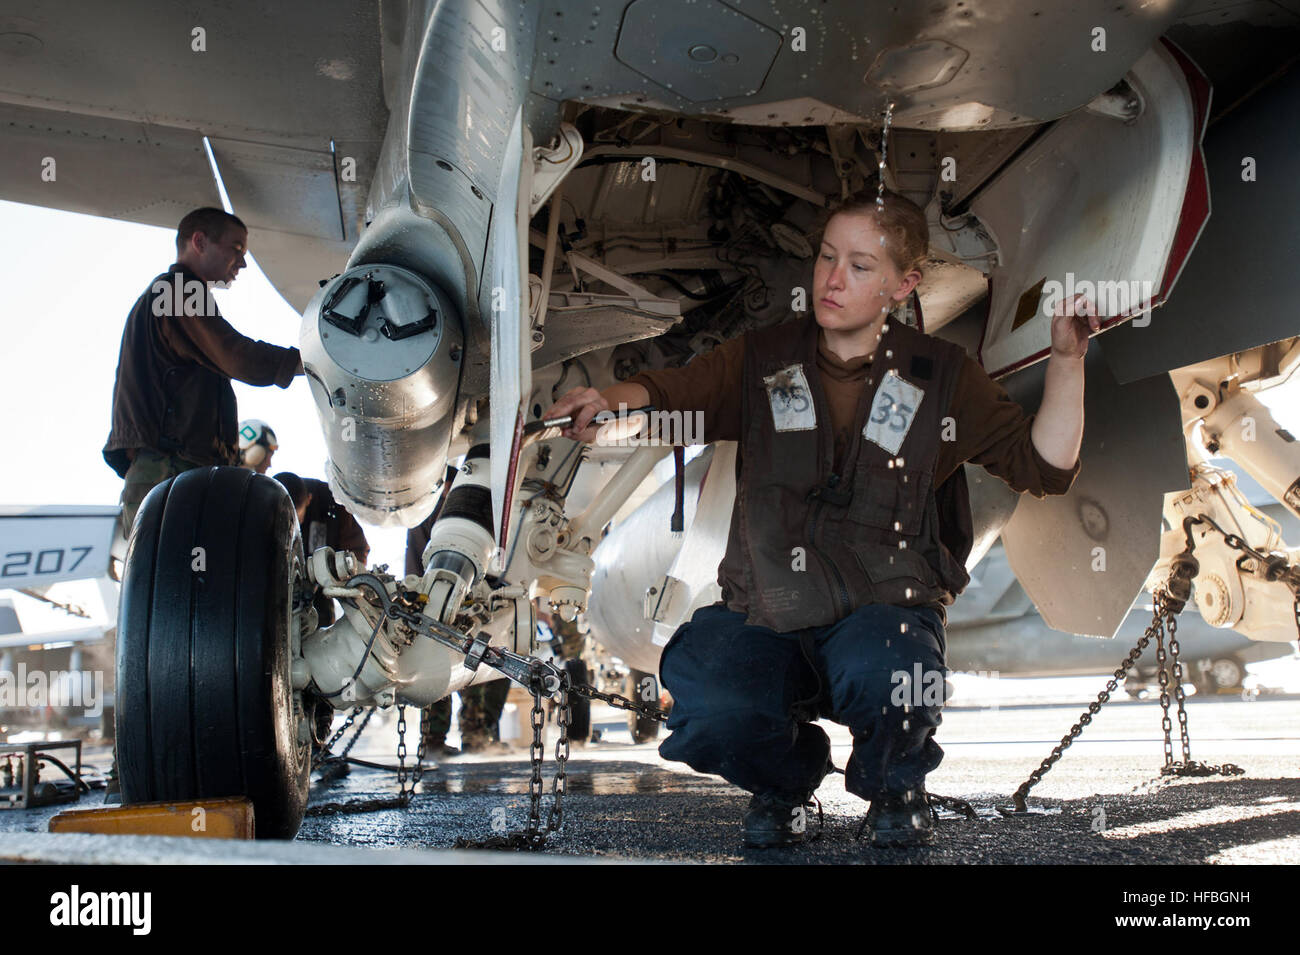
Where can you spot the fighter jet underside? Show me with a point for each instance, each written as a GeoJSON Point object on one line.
{"type": "Point", "coordinates": [480, 205]}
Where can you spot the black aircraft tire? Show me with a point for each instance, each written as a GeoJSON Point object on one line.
{"type": "Point", "coordinates": [643, 729]}
{"type": "Point", "coordinates": [205, 704]}
{"type": "Point", "coordinates": [579, 706]}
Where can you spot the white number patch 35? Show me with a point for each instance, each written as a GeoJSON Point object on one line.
{"type": "Point", "coordinates": [791, 400]}
{"type": "Point", "coordinates": [892, 412]}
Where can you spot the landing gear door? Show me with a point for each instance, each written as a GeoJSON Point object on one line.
{"type": "Point", "coordinates": [1084, 556]}
{"type": "Point", "coordinates": [1108, 202]}
{"type": "Point", "coordinates": [696, 566]}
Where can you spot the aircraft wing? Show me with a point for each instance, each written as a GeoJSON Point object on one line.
{"type": "Point", "coordinates": [106, 108]}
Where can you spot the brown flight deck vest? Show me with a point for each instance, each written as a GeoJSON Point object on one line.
{"type": "Point", "coordinates": [809, 546]}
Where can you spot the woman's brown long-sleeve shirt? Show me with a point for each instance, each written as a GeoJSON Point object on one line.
{"type": "Point", "coordinates": [990, 428]}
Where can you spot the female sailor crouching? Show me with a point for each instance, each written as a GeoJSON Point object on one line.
{"type": "Point", "coordinates": [850, 527]}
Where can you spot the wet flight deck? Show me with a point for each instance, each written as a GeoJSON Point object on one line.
{"type": "Point", "coordinates": [1104, 801]}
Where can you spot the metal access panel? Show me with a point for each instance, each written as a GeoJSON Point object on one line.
{"type": "Point", "coordinates": [703, 51]}
{"type": "Point", "coordinates": [1083, 556]}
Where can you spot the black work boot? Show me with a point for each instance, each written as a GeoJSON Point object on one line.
{"type": "Point", "coordinates": [899, 819]}
{"type": "Point", "coordinates": [775, 820]}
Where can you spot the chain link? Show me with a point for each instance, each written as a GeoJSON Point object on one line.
{"type": "Point", "coordinates": [419, 763]}
{"type": "Point", "coordinates": [542, 680]}
{"type": "Point", "coordinates": [1018, 798]}
{"type": "Point", "coordinates": [324, 752]}
{"type": "Point", "coordinates": [951, 803]}
{"type": "Point", "coordinates": [560, 785]}
{"type": "Point", "coordinates": [1179, 695]}
{"type": "Point", "coordinates": [401, 753]}
{"type": "Point", "coordinates": [417, 772]}
{"type": "Point", "coordinates": [536, 753]}
{"type": "Point", "coordinates": [1168, 601]}
{"type": "Point", "coordinates": [621, 702]}
{"type": "Point", "coordinates": [357, 735]}
{"type": "Point", "coordinates": [1162, 674]}
{"type": "Point", "coordinates": [533, 836]}
{"type": "Point", "coordinates": [1187, 767]}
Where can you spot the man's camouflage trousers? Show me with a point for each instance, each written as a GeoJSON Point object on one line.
{"type": "Point", "coordinates": [148, 469]}
{"type": "Point", "coordinates": [480, 714]}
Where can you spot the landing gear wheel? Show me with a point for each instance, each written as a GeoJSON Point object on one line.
{"type": "Point", "coordinates": [579, 706]}
{"type": "Point", "coordinates": [644, 688]}
{"type": "Point", "coordinates": [1223, 675]}
{"type": "Point", "coordinates": [205, 703]}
